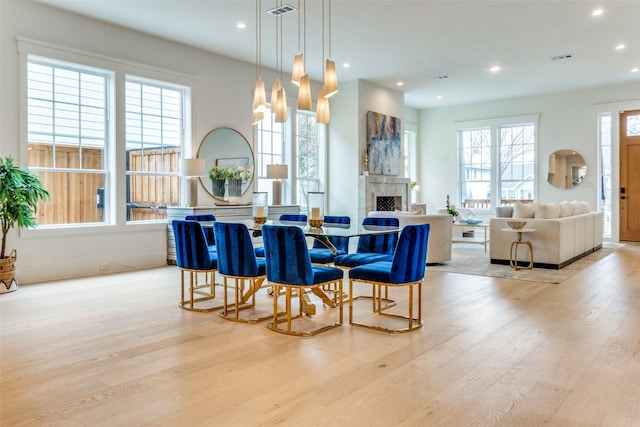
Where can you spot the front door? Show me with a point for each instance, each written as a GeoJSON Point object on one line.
{"type": "Point", "coordinates": [630, 175]}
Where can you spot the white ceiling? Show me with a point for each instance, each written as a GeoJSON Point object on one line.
{"type": "Point", "coordinates": [412, 41]}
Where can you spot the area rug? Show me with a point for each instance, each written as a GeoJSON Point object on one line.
{"type": "Point", "coordinates": [472, 259]}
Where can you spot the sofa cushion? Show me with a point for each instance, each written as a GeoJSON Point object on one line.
{"type": "Point", "coordinates": [547, 211]}
{"type": "Point", "coordinates": [585, 207]}
{"type": "Point", "coordinates": [521, 210]}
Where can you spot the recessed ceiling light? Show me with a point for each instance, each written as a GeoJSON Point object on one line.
{"type": "Point", "coordinates": [346, 65]}
{"type": "Point", "coordinates": [495, 69]}
{"type": "Point", "coordinates": [400, 84]}
{"type": "Point", "coordinates": [635, 70]}
{"type": "Point", "coordinates": [241, 25]}
{"type": "Point", "coordinates": [597, 12]}
{"type": "Point", "coordinates": [620, 46]}
{"type": "Point", "coordinates": [439, 97]}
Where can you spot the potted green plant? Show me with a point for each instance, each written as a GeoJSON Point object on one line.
{"type": "Point", "coordinates": [218, 176]}
{"type": "Point", "coordinates": [20, 192]}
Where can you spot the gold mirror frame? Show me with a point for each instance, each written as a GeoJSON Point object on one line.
{"type": "Point", "coordinates": [567, 169]}
{"type": "Point", "coordinates": [225, 147]}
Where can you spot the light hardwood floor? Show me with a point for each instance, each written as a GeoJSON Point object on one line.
{"type": "Point", "coordinates": [116, 350]}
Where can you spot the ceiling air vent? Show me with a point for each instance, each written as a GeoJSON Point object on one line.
{"type": "Point", "coordinates": [559, 57]}
{"type": "Point", "coordinates": [443, 77]}
{"type": "Point", "coordinates": [281, 10]}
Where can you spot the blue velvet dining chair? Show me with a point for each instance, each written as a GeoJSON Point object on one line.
{"type": "Point", "coordinates": [283, 218]}
{"type": "Point", "coordinates": [320, 253]}
{"type": "Point", "coordinates": [372, 248]}
{"type": "Point", "coordinates": [208, 231]}
{"type": "Point", "coordinates": [289, 267]}
{"type": "Point", "coordinates": [407, 268]}
{"type": "Point", "coordinates": [193, 257]}
{"type": "Point", "coordinates": [237, 262]}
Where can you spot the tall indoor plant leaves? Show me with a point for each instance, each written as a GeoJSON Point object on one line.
{"type": "Point", "coordinates": [20, 192]}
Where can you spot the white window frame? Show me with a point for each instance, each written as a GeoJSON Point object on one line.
{"type": "Point", "coordinates": [494, 125]}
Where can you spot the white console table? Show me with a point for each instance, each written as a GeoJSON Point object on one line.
{"type": "Point", "coordinates": [222, 213]}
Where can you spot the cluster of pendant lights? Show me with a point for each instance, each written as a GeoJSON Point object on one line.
{"type": "Point", "coordinates": [298, 75]}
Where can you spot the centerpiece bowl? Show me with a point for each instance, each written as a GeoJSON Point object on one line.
{"type": "Point", "coordinates": [516, 225]}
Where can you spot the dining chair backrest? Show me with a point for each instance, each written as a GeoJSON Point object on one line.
{"type": "Point", "coordinates": [410, 256]}
{"type": "Point", "coordinates": [379, 243]}
{"type": "Point", "coordinates": [192, 251]}
{"type": "Point", "coordinates": [287, 255]}
{"type": "Point", "coordinates": [341, 243]}
{"type": "Point", "coordinates": [293, 217]}
{"type": "Point", "coordinates": [235, 250]}
{"type": "Point", "coordinates": [207, 231]}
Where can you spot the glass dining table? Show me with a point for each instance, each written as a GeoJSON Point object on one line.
{"type": "Point", "coordinates": [322, 234]}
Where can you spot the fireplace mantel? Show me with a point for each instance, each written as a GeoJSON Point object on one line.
{"type": "Point", "coordinates": [372, 186]}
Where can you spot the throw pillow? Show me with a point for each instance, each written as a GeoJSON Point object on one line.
{"type": "Point", "coordinates": [566, 209]}
{"type": "Point", "coordinates": [547, 211]}
{"type": "Point", "coordinates": [577, 207]}
{"type": "Point", "coordinates": [504, 211]}
{"type": "Point", "coordinates": [585, 207]}
{"type": "Point", "coordinates": [520, 210]}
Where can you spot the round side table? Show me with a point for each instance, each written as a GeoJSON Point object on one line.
{"type": "Point", "coordinates": [513, 253]}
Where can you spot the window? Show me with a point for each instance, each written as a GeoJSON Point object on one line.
{"type": "Point", "coordinates": [270, 151]}
{"type": "Point", "coordinates": [410, 166]}
{"type": "Point", "coordinates": [604, 137]}
{"type": "Point", "coordinates": [67, 111]}
{"type": "Point", "coordinates": [497, 162]}
{"type": "Point", "coordinates": [154, 137]}
{"type": "Point", "coordinates": [308, 164]}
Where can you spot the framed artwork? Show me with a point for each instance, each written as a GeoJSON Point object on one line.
{"type": "Point", "coordinates": [383, 144]}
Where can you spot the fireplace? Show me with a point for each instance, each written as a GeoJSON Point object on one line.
{"type": "Point", "coordinates": [382, 192]}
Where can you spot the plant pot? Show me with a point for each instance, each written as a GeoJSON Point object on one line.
{"type": "Point", "coordinates": [217, 188]}
{"type": "Point", "coordinates": [235, 187]}
{"type": "Point", "coordinates": [8, 281]}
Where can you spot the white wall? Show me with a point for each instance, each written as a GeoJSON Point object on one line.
{"type": "Point", "coordinates": [567, 120]}
{"type": "Point", "coordinates": [221, 97]}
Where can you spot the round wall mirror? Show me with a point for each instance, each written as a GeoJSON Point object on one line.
{"type": "Point", "coordinates": [224, 147]}
{"type": "Point", "coordinates": [567, 169]}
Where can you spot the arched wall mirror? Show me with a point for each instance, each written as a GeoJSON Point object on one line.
{"type": "Point", "coordinates": [567, 169]}
{"type": "Point", "coordinates": [225, 147]}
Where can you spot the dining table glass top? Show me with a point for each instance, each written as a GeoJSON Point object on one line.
{"type": "Point", "coordinates": [327, 230]}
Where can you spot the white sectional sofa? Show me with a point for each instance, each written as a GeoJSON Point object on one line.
{"type": "Point", "coordinates": [439, 247]}
{"type": "Point", "coordinates": [564, 232]}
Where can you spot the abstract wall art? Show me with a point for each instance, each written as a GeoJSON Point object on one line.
{"type": "Point", "coordinates": [383, 144]}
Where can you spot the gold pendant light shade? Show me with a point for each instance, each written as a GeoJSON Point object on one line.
{"type": "Point", "coordinates": [322, 109]}
{"type": "Point", "coordinates": [304, 94]}
{"type": "Point", "coordinates": [298, 69]}
{"type": "Point", "coordinates": [259, 97]}
{"type": "Point", "coordinates": [280, 108]}
{"type": "Point", "coordinates": [330, 79]}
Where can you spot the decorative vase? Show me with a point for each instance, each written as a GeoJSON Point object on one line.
{"type": "Point", "coordinates": [217, 187]}
{"type": "Point", "coordinates": [235, 187]}
{"type": "Point", "coordinates": [8, 281]}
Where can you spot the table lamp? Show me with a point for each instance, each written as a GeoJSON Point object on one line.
{"type": "Point", "coordinates": [277, 173]}
{"type": "Point", "coordinates": [191, 170]}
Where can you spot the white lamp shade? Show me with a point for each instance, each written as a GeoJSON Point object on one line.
{"type": "Point", "coordinates": [192, 168]}
{"type": "Point", "coordinates": [257, 117]}
{"type": "Point", "coordinates": [275, 87]}
{"type": "Point", "coordinates": [277, 171]}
